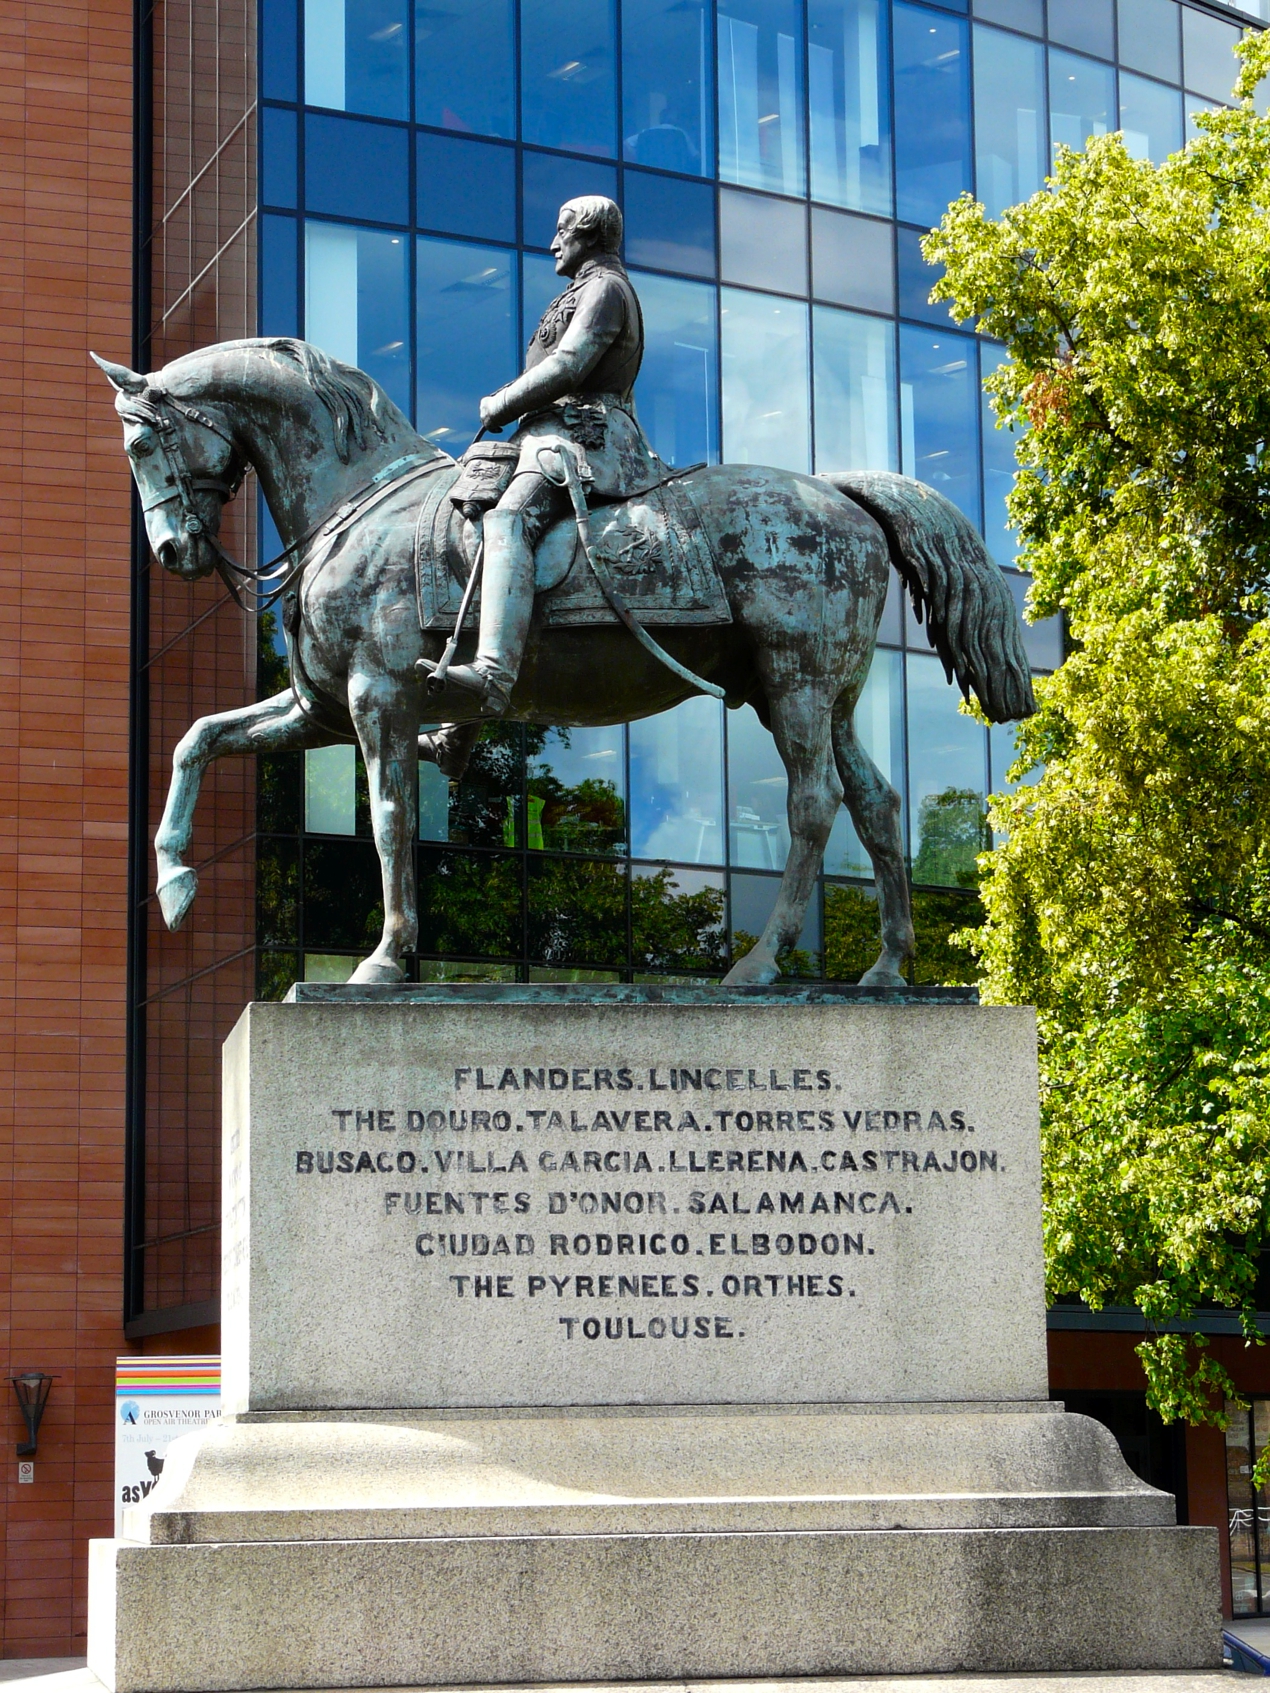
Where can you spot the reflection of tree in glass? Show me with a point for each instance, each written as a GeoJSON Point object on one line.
{"type": "Point", "coordinates": [489, 794]}
{"type": "Point", "coordinates": [277, 893]}
{"type": "Point", "coordinates": [587, 817]}
{"type": "Point", "coordinates": [278, 774]}
{"type": "Point", "coordinates": [676, 931]}
{"type": "Point", "coordinates": [953, 829]}
{"type": "Point", "coordinates": [343, 896]}
{"type": "Point", "coordinates": [937, 917]}
{"type": "Point", "coordinates": [469, 905]}
{"type": "Point", "coordinates": [577, 912]}
{"type": "Point", "coordinates": [851, 933]}
{"type": "Point", "coordinates": [275, 972]}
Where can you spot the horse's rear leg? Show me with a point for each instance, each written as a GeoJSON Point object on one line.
{"type": "Point", "coordinates": [273, 725]}
{"type": "Point", "coordinates": [875, 810]}
{"type": "Point", "coordinates": [801, 726]}
{"type": "Point", "coordinates": [387, 727]}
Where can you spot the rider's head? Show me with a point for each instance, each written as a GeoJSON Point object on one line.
{"type": "Point", "coordinates": [586, 226]}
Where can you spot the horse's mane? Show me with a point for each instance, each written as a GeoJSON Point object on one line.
{"type": "Point", "coordinates": [348, 394]}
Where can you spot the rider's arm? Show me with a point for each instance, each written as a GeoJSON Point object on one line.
{"type": "Point", "coordinates": [598, 321]}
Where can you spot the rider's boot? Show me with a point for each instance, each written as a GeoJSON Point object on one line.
{"type": "Point", "coordinates": [507, 603]}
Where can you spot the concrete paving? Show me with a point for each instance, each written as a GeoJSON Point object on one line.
{"type": "Point", "coordinates": [70, 1675]}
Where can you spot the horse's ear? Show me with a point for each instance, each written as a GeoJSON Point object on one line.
{"type": "Point", "coordinates": [119, 376]}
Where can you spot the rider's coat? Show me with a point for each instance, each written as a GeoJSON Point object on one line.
{"type": "Point", "coordinates": [580, 371]}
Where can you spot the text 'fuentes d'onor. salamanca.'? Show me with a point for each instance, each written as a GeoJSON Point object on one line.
{"type": "Point", "coordinates": [548, 1219]}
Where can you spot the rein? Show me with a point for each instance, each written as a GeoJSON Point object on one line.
{"type": "Point", "coordinates": [266, 583]}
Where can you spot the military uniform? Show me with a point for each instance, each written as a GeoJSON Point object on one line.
{"type": "Point", "coordinates": [580, 370]}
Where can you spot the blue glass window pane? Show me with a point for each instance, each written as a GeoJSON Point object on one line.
{"type": "Point", "coordinates": [855, 391]}
{"type": "Point", "coordinates": [669, 223]}
{"type": "Point", "coordinates": [766, 403]}
{"type": "Point", "coordinates": [356, 170]}
{"type": "Point", "coordinates": [465, 75]}
{"type": "Point", "coordinates": [667, 97]}
{"type": "Point", "coordinates": [879, 728]}
{"type": "Point", "coordinates": [1150, 117]}
{"type": "Point", "coordinates": [998, 467]}
{"type": "Point", "coordinates": [1043, 641]}
{"type": "Point", "coordinates": [1151, 37]}
{"type": "Point", "coordinates": [279, 276]}
{"type": "Point", "coordinates": [356, 304]}
{"type": "Point", "coordinates": [932, 113]}
{"type": "Point", "coordinates": [762, 241]}
{"type": "Point", "coordinates": [939, 415]}
{"type": "Point", "coordinates": [568, 88]}
{"type": "Point", "coordinates": [355, 56]}
{"type": "Point", "coordinates": [852, 260]}
{"type": "Point", "coordinates": [539, 286]}
{"type": "Point", "coordinates": [1027, 15]}
{"type": "Point", "coordinates": [947, 776]}
{"type": "Point", "coordinates": [1010, 130]}
{"type": "Point", "coordinates": [1082, 100]}
{"type": "Point", "coordinates": [548, 182]}
{"type": "Point", "coordinates": [916, 279]}
{"type": "Point", "coordinates": [465, 187]}
{"type": "Point", "coordinates": [279, 39]}
{"type": "Point", "coordinates": [466, 348]}
{"type": "Point", "coordinates": [758, 829]}
{"type": "Point", "coordinates": [277, 157]}
{"type": "Point", "coordinates": [1208, 54]}
{"type": "Point", "coordinates": [848, 104]}
{"type": "Point", "coordinates": [677, 393]}
{"type": "Point", "coordinates": [677, 784]}
{"type": "Point", "coordinates": [1087, 25]}
{"type": "Point", "coordinates": [761, 95]}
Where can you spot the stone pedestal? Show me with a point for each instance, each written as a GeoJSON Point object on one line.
{"type": "Point", "coordinates": [578, 1335]}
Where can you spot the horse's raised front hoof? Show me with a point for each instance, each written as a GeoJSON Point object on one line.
{"type": "Point", "coordinates": [176, 892]}
{"type": "Point", "coordinates": [374, 969]}
{"type": "Point", "coordinates": [751, 971]}
{"type": "Point", "coordinates": [883, 975]}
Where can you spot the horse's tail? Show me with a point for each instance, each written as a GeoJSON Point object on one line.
{"type": "Point", "coordinates": [970, 613]}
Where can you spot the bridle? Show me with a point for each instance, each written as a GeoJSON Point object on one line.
{"type": "Point", "coordinates": [253, 589]}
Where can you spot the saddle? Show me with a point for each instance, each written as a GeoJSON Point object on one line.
{"type": "Point", "coordinates": [653, 545]}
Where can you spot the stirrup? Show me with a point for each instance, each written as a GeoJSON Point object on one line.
{"type": "Point", "coordinates": [494, 694]}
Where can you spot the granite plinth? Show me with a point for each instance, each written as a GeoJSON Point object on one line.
{"type": "Point", "coordinates": [517, 1609]}
{"type": "Point", "coordinates": [573, 1337]}
{"type": "Point", "coordinates": [494, 1202]}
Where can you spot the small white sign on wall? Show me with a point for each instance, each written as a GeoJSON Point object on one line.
{"type": "Point", "coordinates": [157, 1399]}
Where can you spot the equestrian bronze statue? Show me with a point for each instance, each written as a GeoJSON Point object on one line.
{"type": "Point", "coordinates": [766, 587]}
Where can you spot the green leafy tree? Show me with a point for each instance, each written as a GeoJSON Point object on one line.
{"type": "Point", "coordinates": [1130, 902]}
{"type": "Point", "coordinates": [952, 827]}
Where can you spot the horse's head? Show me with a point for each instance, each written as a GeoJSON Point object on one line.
{"type": "Point", "coordinates": [186, 464]}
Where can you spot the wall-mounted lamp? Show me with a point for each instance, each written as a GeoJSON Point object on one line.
{"type": "Point", "coordinates": [32, 1389]}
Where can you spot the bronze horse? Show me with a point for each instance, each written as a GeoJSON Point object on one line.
{"type": "Point", "coordinates": [804, 561]}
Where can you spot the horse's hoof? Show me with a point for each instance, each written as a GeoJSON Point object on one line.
{"type": "Point", "coordinates": [750, 972]}
{"type": "Point", "coordinates": [882, 976]}
{"type": "Point", "coordinates": [380, 970]}
{"type": "Point", "coordinates": [176, 892]}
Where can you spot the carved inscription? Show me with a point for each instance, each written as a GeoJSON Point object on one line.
{"type": "Point", "coordinates": [627, 1202]}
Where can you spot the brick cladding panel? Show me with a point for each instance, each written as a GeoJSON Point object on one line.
{"type": "Point", "coordinates": [65, 286]}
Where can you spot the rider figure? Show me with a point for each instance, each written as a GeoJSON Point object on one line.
{"type": "Point", "coordinates": [575, 394]}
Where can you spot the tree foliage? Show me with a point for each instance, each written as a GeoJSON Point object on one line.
{"type": "Point", "coordinates": [1130, 902]}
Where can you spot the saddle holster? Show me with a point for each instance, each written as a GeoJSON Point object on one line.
{"type": "Point", "coordinates": [486, 470]}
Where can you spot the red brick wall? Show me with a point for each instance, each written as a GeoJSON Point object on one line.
{"type": "Point", "coordinates": [65, 286]}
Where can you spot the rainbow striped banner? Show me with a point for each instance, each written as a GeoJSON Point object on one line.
{"type": "Point", "coordinates": [154, 1377]}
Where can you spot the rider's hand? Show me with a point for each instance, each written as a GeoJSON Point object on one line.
{"type": "Point", "coordinates": [490, 412]}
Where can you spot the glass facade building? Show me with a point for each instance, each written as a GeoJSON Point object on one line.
{"type": "Point", "coordinates": [777, 162]}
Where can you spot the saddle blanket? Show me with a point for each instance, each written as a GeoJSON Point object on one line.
{"type": "Point", "coordinates": [653, 545]}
